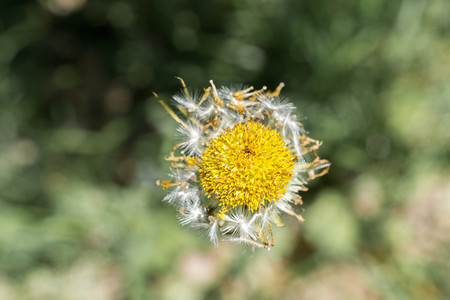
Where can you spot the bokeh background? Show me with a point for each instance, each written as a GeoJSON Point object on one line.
{"type": "Point", "coordinates": [82, 142]}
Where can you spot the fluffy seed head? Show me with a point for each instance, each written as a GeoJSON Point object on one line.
{"type": "Point", "coordinates": [242, 161]}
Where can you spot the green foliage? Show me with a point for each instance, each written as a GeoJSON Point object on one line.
{"type": "Point", "coordinates": [83, 141]}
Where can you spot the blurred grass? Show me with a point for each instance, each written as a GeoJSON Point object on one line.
{"type": "Point", "coordinates": [83, 141]}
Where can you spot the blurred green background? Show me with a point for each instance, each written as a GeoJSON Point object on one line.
{"type": "Point", "coordinates": [82, 143]}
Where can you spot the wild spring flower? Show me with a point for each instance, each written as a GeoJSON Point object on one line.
{"type": "Point", "coordinates": [242, 162]}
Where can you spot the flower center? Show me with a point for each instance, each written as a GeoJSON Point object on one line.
{"type": "Point", "coordinates": [247, 164]}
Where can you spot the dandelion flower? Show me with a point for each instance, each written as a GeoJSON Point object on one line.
{"type": "Point", "coordinates": [242, 161]}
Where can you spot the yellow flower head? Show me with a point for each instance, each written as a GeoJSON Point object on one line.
{"type": "Point", "coordinates": [240, 164]}
{"type": "Point", "coordinates": [246, 165]}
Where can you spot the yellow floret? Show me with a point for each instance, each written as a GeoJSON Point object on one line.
{"type": "Point", "coordinates": [247, 164]}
